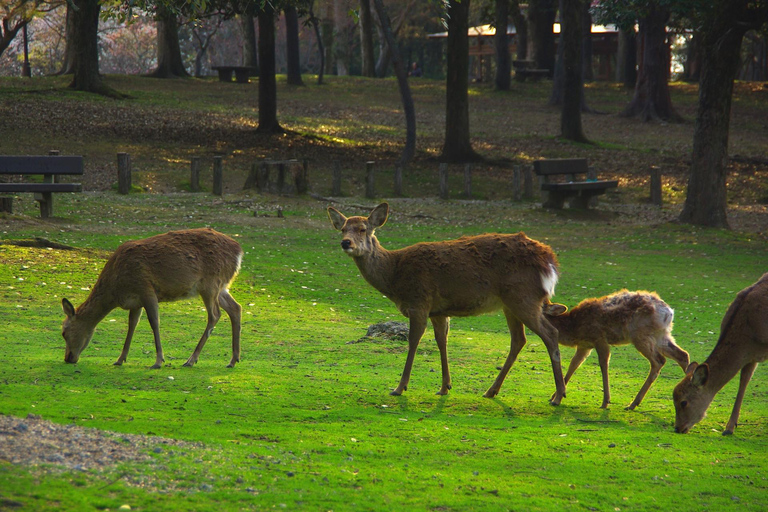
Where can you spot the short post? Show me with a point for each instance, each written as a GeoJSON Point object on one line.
{"type": "Point", "coordinates": [218, 175]}
{"type": "Point", "coordinates": [280, 177]}
{"type": "Point", "coordinates": [468, 181]}
{"type": "Point", "coordinates": [370, 189]}
{"type": "Point", "coordinates": [443, 175]}
{"type": "Point", "coordinates": [302, 178]}
{"type": "Point", "coordinates": [528, 182]}
{"type": "Point", "coordinates": [336, 181]}
{"type": "Point", "coordinates": [656, 186]}
{"type": "Point", "coordinates": [123, 173]}
{"type": "Point", "coordinates": [399, 179]}
{"type": "Point", "coordinates": [194, 174]}
{"type": "Point", "coordinates": [262, 176]}
{"type": "Point", "coordinates": [517, 186]}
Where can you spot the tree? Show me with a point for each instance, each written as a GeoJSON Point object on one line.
{"type": "Point", "coordinates": [250, 55]}
{"type": "Point", "coordinates": [521, 29]}
{"type": "Point", "coordinates": [651, 100]}
{"type": "Point", "coordinates": [16, 14]}
{"type": "Point", "coordinates": [365, 22]}
{"type": "Point", "coordinates": [203, 30]}
{"type": "Point", "coordinates": [85, 43]}
{"type": "Point", "coordinates": [292, 45]}
{"type": "Point", "coordinates": [501, 45]}
{"type": "Point", "coordinates": [267, 84]}
{"type": "Point", "coordinates": [457, 147]}
{"type": "Point", "coordinates": [541, 16]}
{"type": "Point", "coordinates": [573, 85]}
{"type": "Point", "coordinates": [320, 44]}
{"type": "Point", "coordinates": [402, 81]}
{"type": "Point", "coordinates": [170, 63]}
{"type": "Point", "coordinates": [721, 31]}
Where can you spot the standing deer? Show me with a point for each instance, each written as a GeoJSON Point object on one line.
{"type": "Point", "coordinates": [640, 318]}
{"type": "Point", "coordinates": [742, 344]}
{"type": "Point", "coordinates": [464, 277]}
{"type": "Point", "coordinates": [163, 268]}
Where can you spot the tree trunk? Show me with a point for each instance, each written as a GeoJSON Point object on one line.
{"type": "Point", "coordinates": [501, 44]}
{"type": "Point", "coordinates": [8, 33]}
{"type": "Point", "coordinates": [652, 99]}
{"type": "Point", "coordinates": [586, 58]}
{"type": "Point", "coordinates": [706, 201]}
{"type": "Point", "coordinates": [402, 82]}
{"type": "Point", "coordinates": [626, 58]}
{"type": "Point", "coordinates": [267, 83]}
{"type": "Point", "coordinates": [320, 46]}
{"type": "Point", "coordinates": [68, 65]}
{"type": "Point", "coordinates": [327, 28]}
{"type": "Point", "coordinates": [170, 64]}
{"type": "Point", "coordinates": [541, 15]}
{"type": "Point", "coordinates": [521, 29]}
{"type": "Point", "coordinates": [250, 55]}
{"type": "Point", "coordinates": [457, 147]}
{"type": "Point", "coordinates": [341, 39]}
{"type": "Point", "coordinates": [366, 39]}
{"type": "Point", "coordinates": [85, 44]}
{"type": "Point", "coordinates": [292, 45]}
{"type": "Point", "coordinates": [571, 30]}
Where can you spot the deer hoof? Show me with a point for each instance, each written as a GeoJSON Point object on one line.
{"type": "Point", "coordinates": [188, 364]}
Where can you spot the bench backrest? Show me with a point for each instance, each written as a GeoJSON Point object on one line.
{"type": "Point", "coordinates": [561, 166]}
{"type": "Point", "coordinates": [41, 165]}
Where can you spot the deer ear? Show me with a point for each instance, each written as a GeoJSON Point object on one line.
{"type": "Point", "coordinates": [691, 367]}
{"type": "Point", "coordinates": [378, 216]}
{"type": "Point", "coordinates": [700, 375]}
{"type": "Point", "coordinates": [553, 309]}
{"type": "Point", "coordinates": [337, 219]}
{"type": "Point", "coordinates": [68, 308]}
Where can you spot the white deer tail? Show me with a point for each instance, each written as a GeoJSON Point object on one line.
{"type": "Point", "coordinates": [549, 280]}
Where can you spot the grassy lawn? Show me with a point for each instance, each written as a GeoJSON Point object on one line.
{"type": "Point", "coordinates": [305, 420]}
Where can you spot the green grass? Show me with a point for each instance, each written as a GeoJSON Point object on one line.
{"type": "Point", "coordinates": [306, 422]}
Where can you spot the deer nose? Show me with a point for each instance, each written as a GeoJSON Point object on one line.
{"type": "Point", "coordinates": [345, 244]}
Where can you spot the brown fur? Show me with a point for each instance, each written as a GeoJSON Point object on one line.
{"type": "Point", "coordinates": [162, 268]}
{"type": "Point", "coordinates": [743, 343]}
{"type": "Point", "coordinates": [464, 277]}
{"type": "Point", "coordinates": [640, 318]}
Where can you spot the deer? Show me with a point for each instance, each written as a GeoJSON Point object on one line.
{"type": "Point", "coordinates": [464, 277]}
{"type": "Point", "coordinates": [163, 268]}
{"type": "Point", "coordinates": [641, 318]}
{"type": "Point", "coordinates": [743, 343]}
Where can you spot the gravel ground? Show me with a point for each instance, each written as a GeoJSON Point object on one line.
{"type": "Point", "coordinates": [33, 441]}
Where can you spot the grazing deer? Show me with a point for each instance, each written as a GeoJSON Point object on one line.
{"type": "Point", "coordinates": [742, 344]}
{"type": "Point", "coordinates": [464, 277]}
{"type": "Point", "coordinates": [640, 318]}
{"type": "Point", "coordinates": [163, 268]}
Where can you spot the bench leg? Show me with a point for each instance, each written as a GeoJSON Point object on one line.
{"type": "Point", "coordinates": [554, 200]}
{"type": "Point", "coordinates": [225, 75]}
{"type": "Point", "coordinates": [580, 201]}
{"type": "Point", "coordinates": [6, 204]}
{"type": "Point", "coordinates": [241, 76]}
{"type": "Point", "coordinates": [46, 203]}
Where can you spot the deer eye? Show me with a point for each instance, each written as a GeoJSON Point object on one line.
{"type": "Point", "coordinates": [684, 404]}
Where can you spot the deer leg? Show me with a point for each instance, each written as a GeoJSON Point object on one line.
{"type": "Point", "coordinates": [441, 325]}
{"type": "Point", "coordinates": [670, 349]}
{"type": "Point", "coordinates": [548, 335]}
{"type": "Point", "coordinates": [152, 309]}
{"type": "Point", "coordinates": [581, 354]}
{"type": "Point", "coordinates": [517, 342]}
{"type": "Point", "coordinates": [233, 309]}
{"type": "Point", "coordinates": [744, 378]}
{"type": "Point", "coordinates": [604, 357]}
{"type": "Point", "coordinates": [657, 361]}
{"type": "Point", "coordinates": [416, 328]}
{"type": "Point", "coordinates": [214, 313]}
{"type": "Point", "coordinates": [133, 319]}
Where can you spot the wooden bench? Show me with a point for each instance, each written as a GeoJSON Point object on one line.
{"type": "Point", "coordinates": [242, 73]}
{"type": "Point", "coordinates": [524, 69]}
{"type": "Point", "coordinates": [579, 192]}
{"type": "Point", "coordinates": [49, 168]}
